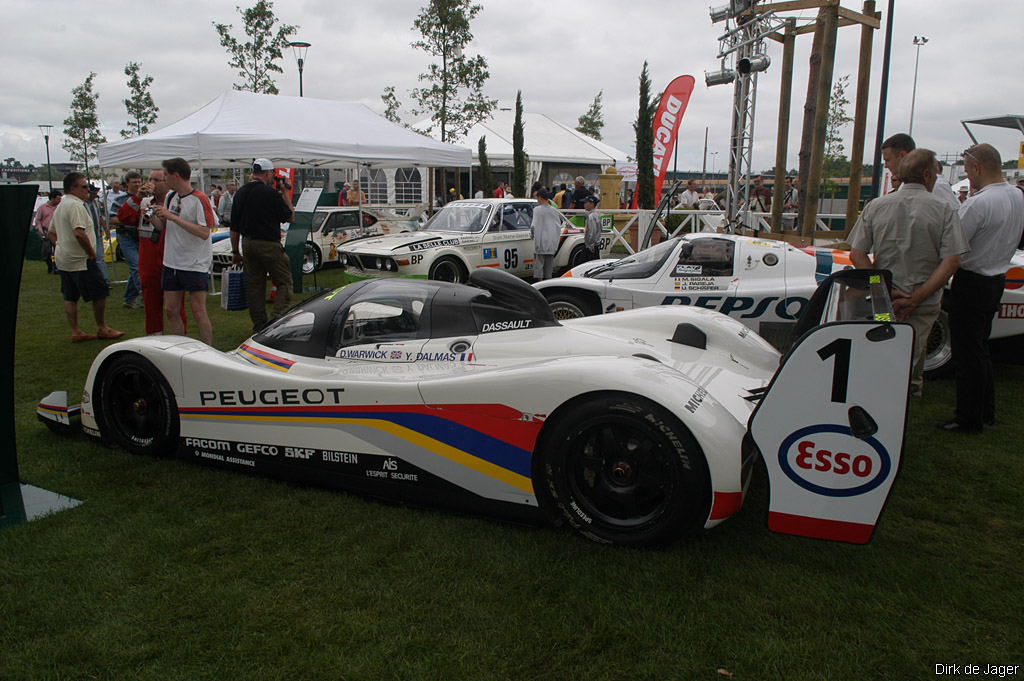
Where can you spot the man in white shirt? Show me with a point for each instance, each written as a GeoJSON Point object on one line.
{"type": "Point", "coordinates": [993, 219]}
{"type": "Point", "coordinates": [689, 198]}
{"type": "Point", "coordinates": [187, 217]}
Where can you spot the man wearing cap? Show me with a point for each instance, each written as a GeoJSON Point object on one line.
{"type": "Point", "coordinates": [545, 228]}
{"type": "Point", "coordinates": [256, 214]}
{"type": "Point", "coordinates": [343, 194]}
{"type": "Point", "coordinates": [72, 233]}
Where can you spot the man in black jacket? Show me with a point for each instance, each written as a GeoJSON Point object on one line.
{"type": "Point", "coordinates": [257, 212]}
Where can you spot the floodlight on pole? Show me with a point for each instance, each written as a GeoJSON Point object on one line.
{"type": "Point", "coordinates": [720, 13]}
{"type": "Point", "coordinates": [918, 41]}
{"type": "Point", "coordinates": [723, 76]}
{"type": "Point", "coordinates": [45, 129]}
{"type": "Point", "coordinates": [300, 49]}
{"type": "Point", "coordinates": [755, 63]}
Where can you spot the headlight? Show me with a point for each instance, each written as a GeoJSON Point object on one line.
{"type": "Point", "coordinates": [344, 259]}
{"type": "Point", "coordinates": [380, 264]}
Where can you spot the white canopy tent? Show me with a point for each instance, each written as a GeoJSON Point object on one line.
{"type": "Point", "coordinates": [294, 132]}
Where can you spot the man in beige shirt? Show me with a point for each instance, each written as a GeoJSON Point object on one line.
{"type": "Point", "coordinates": [71, 231]}
{"type": "Point", "coordinates": [918, 237]}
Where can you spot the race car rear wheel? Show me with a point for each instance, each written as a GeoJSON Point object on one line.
{"type": "Point", "coordinates": [448, 269]}
{"type": "Point", "coordinates": [311, 258]}
{"type": "Point", "coordinates": [137, 409]}
{"type": "Point", "coordinates": [577, 257]}
{"type": "Point", "coordinates": [565, 305]}
{"type": "Point", "coordinates": [622, 470]}
{"type": "Point", "coordinates": [938, 355]}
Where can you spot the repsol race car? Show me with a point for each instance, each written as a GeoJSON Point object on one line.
{"type": "Point", "coordinates": [763, 283]}
{"type": "Point", "coordinates": [462, 237]}
{"type": "Point", "coordinates": [632, 429]}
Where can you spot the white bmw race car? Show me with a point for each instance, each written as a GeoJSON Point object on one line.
{"type": "Point", "coordinates": [763, 283]}
{"type": "Point", "coordinates": [632, 429]}
{"type": "Point", "coordinates": [463, 236]}
{"type": "Point", "coordinates": [332, 227]}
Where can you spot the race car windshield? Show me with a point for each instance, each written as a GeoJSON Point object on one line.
{"type": "Point", "coordinates": [637, 266]}
{"type": "Point", "coordinates": [460, 217]}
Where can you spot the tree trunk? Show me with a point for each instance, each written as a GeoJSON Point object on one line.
{"type": "Point", "coordinates": [810, 108]}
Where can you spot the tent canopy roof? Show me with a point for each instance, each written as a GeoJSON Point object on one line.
{"type": "Point", "coordinates": [294, 132]}
{"type": "Point", "coordinates": [544, 139]}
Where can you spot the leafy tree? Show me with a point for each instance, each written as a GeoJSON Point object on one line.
{"type": "Point", "coordinates": [255, 59]}
{"type": "Point", "coordinates": [13, 162]}
{"type": "Point", "coordinates": [486, 176]}
{"type": "Point", "coordinates": [835, 163]}
{"type": "Point", "coordinates": [644, 129]}
{"type": "Point", "coordinates": [81, 129]}
{"type": "Point", "coordinates": [590, 123]}
{"type": "Point", "coordinates": [140, 106]}
{"type": "Point", "coordinates": [391, 105]}
{"type": "Point", "coordinates": [454, 99]}
{"type": "Point", "coordinates": [519, 159]}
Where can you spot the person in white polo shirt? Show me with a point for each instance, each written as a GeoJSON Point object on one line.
{"type": "Point", "coordinates": [993, 219]}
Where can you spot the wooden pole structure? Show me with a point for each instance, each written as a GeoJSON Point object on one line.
{"type": "Point", "coordinates": [810, 109]}
{"type": "Point", "coordinates": [782, 145]}
{"type": "Point", "coordinates": [860, 119]}
{"type": "Point", "coordinates": [828, 58]}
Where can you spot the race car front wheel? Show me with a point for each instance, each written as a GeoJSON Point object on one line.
{"type": "Point", "coordinates": [311, 258]}
{"type": "Point", "coordinates": [622, 470]}
{"type": "Point", "coordinates": [448, 269]}
{"type": "Point", "coordinates": [137, 410]}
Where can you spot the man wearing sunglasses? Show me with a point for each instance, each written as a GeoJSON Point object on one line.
{"type": "Point", "coordinates": [75, 257]}
{"type": "Point", "coordinates": [993, 219]}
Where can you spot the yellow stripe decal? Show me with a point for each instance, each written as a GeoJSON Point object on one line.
{"type": "Point", "coordinates": [430, 444]}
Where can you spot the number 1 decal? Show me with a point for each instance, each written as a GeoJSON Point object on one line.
{"type": "Point", "coordinates": [840, 349]}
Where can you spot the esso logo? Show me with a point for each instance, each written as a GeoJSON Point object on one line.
{"type": "Point", "coordinates": [829, 460]}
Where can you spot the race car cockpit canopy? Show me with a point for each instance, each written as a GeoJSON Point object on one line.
{"type": "Point", "coordinates": [396, 310]}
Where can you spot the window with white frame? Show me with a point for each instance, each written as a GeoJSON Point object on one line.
{"type": "Point", "coordinates": [408, 186]}
{"type": "Point", "coordinates": [374, 183]}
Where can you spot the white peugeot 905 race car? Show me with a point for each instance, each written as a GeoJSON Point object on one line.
{"type": "Point", "coordinates": [462, 237]}
{"type": "Point", "coordinates": [632, 429]}
{"type": "Point", "coordinates": [763, 283]}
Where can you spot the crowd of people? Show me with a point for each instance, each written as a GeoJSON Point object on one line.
{"type": "Point", "coordinates": [164, 227]}
{"type": "Point", "coordinates": [924, 234]}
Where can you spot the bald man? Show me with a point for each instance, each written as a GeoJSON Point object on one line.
{"type": "Point", "coordinates": [993, 220]}
{"type": "Point", "coordinates": [917, 236]}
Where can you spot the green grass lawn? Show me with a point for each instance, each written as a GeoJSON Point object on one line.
{"type": "Point", "coordinates": [173, 571]}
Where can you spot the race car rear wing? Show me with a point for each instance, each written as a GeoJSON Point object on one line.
{"type": "Point", "coordinates": [832, 423]}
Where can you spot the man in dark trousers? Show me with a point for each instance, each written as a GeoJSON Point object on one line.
{"type": "Point", "coordinates": [257, 212]}
{"type": "Point", "coordinates": [992, 218]}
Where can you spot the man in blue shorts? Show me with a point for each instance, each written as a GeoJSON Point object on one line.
{"type": "Point", "coordinates": [75, 257]}
{"type": "Point", "coordinates": [187, 215]}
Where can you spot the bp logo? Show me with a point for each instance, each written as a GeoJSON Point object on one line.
{"type": "Point", "coordinates": [828, 460]}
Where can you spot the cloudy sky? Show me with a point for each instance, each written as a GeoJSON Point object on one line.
{"type": "Point", "coordinates": [559, 54]}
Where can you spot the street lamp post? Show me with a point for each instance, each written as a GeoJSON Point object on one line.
{"type": "Point", "coordinates": [918, 41]}
{"type": "Point", "coordinates": [45, 129]}
{"type": "Point", "coordinates": [300, 48]}
{"type": "Point", "coordinates": [713, 155]}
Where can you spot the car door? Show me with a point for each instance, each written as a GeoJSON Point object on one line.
{"type": "Point", "coordinates": [507, 244]}
{"type": "Point", "coordinates": [385, 327]}
{"type": "Point", "coordinates": [699, 273]}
